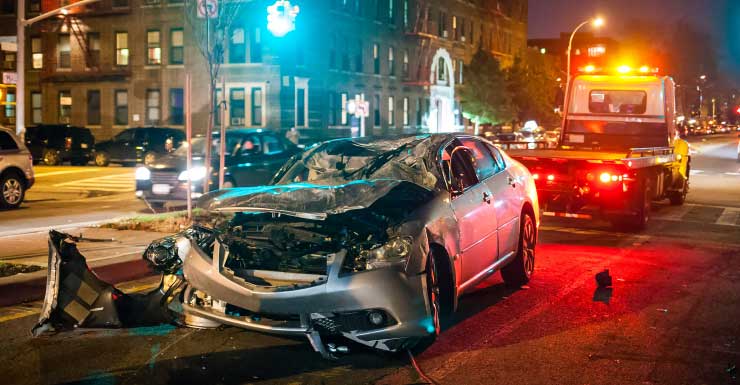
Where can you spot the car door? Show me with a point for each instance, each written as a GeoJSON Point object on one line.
{"type": "Point", "coordinates": [248, 164]}
{"type": "Point", "coordinates": [119, 148]}
{"type": "Point", "coordinates": [276, 153]}
{"type": "Point", "coordinates": [508, 201]}
{"type": "Point", "coordinates": [474, 212]}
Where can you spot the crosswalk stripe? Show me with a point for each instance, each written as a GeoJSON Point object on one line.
{"type": "Point", "coordinates": [676, 213]}
{"type": "Point", "coordinates": [729, 217]}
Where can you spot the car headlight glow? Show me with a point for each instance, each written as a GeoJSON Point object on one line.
{"type": "Point", "coordinates": [395, 251]}
{"type": "Point", "coordinates": [143, 173]}
{"type": "Point", "coordinates": [194, 174]}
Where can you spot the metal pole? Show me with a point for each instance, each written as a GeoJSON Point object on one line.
{"type": "Point", "coordinates": [568, 77]}
{"type": "Point", "coordinates": [189, 137]}
{"type": "Point", "coordinates": [222, 142]}
{"type": "Point", "coordinates": [20, 89]}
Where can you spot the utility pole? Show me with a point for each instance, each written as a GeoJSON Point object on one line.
{"type": "Point", "coordinates": [21, 24]}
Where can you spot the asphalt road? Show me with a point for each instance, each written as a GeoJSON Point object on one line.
{"type": "Point", "coordinates": [670, 318]}
{"type": "Point", "coordinates": [67, 196]}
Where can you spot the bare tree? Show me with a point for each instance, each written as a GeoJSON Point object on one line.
{"type": "Point", "coordinates": [211, 36]}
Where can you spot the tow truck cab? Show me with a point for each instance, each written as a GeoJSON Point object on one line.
{"type": "Point", "coordinates": [618, 151]}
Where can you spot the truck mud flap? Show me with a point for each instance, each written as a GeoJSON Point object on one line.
{"type": "Point", "coordinates": [76, 298]}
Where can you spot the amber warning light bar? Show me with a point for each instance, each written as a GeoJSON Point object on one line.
{"type": "Point", "coordinates": [623, 69]}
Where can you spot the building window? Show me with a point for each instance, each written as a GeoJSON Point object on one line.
{"type": "Point", "coordinates": [237, 106]}
{"type": "Point", "coordinates": [460, 65]}
{"type": "Point", "coordinates": [9, 62]}
{"type": "Point", "coordinates": [344, 100]}
{"type": "Point", "coordinates": [405, 13]}
{"type": "Point", "coordinates": [442, 24]}
{"type": "Point", "coordinates": [333, 53]}
{"type": "Point", "coordinates": [596, 51]}
{"type": "Point", "coordinates": [391, 112]}
{"type": "Point", "coordinates": [177, 103]}
{"type": "Point", "coordinates": [64, 51]}
{"type": "Point", "coordinates": [37, 55]}
{"type": "Point", "coordinates": [405, 66]}
{"type": "Point", "coordinates": [121, 48]}
{"type": "Point", "coordinates": [121, 107]}
{"type": "Point", "coordinates": [332, 108]}
{"type": "Point", "coordinates": [345, 54]}
{"type": "Point", "coordinates": [65, 106]}
{"type": "Point", "coordinates": [405, 112]}
{"type": "Point", "coordinates": [36, 116]}
{"type": "Point", "coordinates": [359, 59]}
{"type": "Point", "coordinates": [153, 48]}
{"type": "Point", "coordinates": [93, 44]}
{"type": "Point", "coordinates": [419, 112]}
{"type": "Point", "coordinates": [376, 111]}
{"type": "Point", "coordinates": [177, 49]}
{"type": "Point", "coordinates": [93, 107]}
{"type": "Point", "coordinates": [237, 46]}
{"type": "Point", "coordinates": [255, 46]}
{"type": "Point", "coordinates": [34, 6]}
{"type": "Point", "coordinates": [300, 104]}
{"type": "Point", "coordinates": [376, 59]}
{"type": "Point", "coordinates": [391, 62]}
{"type": "Point", "coordinates": [441, 71]}
{"type": "Point", "coordinates": [454, 28]}
{"type": "Point", "coordinates": [390, 11]}
{"type": "Point", "coordinates": [256, 106]}
{"type": "Point", "coordinates": [153, 106]}
{"type": "Point", "coordinates": [10, 105]}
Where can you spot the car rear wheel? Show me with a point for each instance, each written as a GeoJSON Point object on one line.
{"type": "Point", "coordinates": [102, 159]}
{"type": "Point", "coordinates": [12, 191]}
{"type": "Point", "coordinates": [520, 270]}
{"type": "Point", "coordinates": [51, 158]}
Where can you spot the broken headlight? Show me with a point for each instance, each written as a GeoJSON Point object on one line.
{"type": "Point", "coordinates": [395, 251]}
{"type": "Point", "coordinates": [162, 255]}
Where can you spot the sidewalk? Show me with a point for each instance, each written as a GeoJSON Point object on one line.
{"type": "Point", "coordinates": [114, 255]}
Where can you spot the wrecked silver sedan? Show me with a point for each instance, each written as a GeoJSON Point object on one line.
{"type": "Point", "coordinates": [368, 239]}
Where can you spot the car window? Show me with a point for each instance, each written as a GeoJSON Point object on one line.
{"type": "Point", "coordinates": [460, 160]}
{"type": "Point", "coordinates": [249, 145]}
{"type": "Point", "coordinates": [125, 136]}
{"type": "Point", "coordinates": [500, 163]}
{"type": "Point", "coordinates": [485, 165]}
{"type": "Point", "coordinates": [7, 142]}
{"type": "Point", "coordinates": [272, 145]}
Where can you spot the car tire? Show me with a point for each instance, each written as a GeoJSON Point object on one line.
{"type": "Point", "coordinates": [102, 159]}
{"type": "Point", "coordinates": [12, 190]}
{"type": "Point", "coordinates": [149, 158]}
{"type": "Point", "coordinates": [678, 198]}
{"type": "Point", "coordinates": [519, 271]}
{"type": "Point", "coordinates": [51, 158]}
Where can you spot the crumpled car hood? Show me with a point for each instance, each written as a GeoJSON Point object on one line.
{"type": "Point", "coordinates": [310, 200]}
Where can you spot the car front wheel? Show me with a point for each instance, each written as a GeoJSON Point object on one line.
{"type": "Point", "coordinates": [520, 270]}
{"type": "Point", "coordinates": [51, 158]}
{"type": "Point", "coordinates": [102, 159]}
{"type": "Point", "coordinates": [12, 191]}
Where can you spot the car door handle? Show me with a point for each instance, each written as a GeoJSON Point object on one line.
{"type": "Point", "coordinates": [487, 197]}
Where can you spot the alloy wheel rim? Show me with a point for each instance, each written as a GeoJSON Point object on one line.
{"type": "Point", "coordinates": [100, 159]}
{"type": "Point", "coordinates": [12, 191]}
{"type": "Point", "coordinates": [528, 246]}
{"type": "Point", "coordinates": [50, 158]}
{"type": "Point", "coordinates": [149, 159]}
{"type": "Point", "coordinates": [434, 295]}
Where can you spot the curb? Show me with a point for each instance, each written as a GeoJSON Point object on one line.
{"type": "Point", "coordinates": [34, 288]}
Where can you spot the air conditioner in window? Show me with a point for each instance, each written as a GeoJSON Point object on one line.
{"type": "Point", "coordinates": [237, 121]}
{"type": "Point", "coordinates": [445, 34]}
{"type": "Point", "coordinates": [462, 39]}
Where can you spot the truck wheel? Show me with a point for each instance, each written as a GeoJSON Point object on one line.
{"type": "Point", "coordinates": [519, 271]}
{"type": "Point", "coordinates": [638, 221]}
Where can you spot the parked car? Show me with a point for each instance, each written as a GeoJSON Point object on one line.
{"type": "Point", "coordinates": [54, 144]}
{"type": "Point", "coordinates": [16, 170]}
{"type": "Point", "coordinates": [138, 145]}
{"type": "Point", "coordinates": [252, 157]}
{"type": "Point", "coordinates": [370, 239]}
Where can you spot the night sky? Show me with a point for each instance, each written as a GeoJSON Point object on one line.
{"type": "Point", "coordinates": [720, 18]}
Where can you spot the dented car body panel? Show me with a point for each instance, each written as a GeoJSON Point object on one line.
{"type": "Point", "coordinates": [341, 242]}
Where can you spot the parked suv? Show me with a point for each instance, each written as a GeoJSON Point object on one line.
{"type": "Point", "coordinates": [54, 144]}
{"type": "Point", "coordinates": [138, 145]}
{"type": "Point", "coordinates": [252, 157]}
{"type": "Point", "coordinates": [16, 170]}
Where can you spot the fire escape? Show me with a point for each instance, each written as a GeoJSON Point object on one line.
{"type": "Point", "coordinates": [73, 24]}
{"type": "Point", "coordinates": [423, 39]}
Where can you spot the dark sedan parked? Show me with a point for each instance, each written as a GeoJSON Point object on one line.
{"type": "Point", "coordinates": [138, 145]}
{"type": "Point", "coordinates": [252, 157]}
{"type": "Point", "coordinates": [54, 144]}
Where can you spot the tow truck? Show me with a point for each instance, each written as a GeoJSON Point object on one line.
{"type": "Point", "coordinates": [618, 152]}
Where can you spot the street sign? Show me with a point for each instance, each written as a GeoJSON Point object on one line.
{"type": "Point", "coordinates": [207, 8]}
{"type": "Point", "coordinates": [10, 77]}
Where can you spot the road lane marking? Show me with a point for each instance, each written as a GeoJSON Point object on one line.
{"type": "Point", "coordinates": [50, 173]}
{"type": "Point", "coordinates": [733, 173]}
{"type": "Point", "coordinates": [729, 217]}
{"type": "Point", "coordinates": [696, 172]}
{"type": "Point", "coordinates": [675, 214]}
{"type": "Point", "coordinates": [108, 183]}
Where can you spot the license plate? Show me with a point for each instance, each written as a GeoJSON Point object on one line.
{"type": "Point", "coordinates": [83, 145]}
{"type": "Point", "coordinates": [161, 189]}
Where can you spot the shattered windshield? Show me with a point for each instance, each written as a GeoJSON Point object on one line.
{"type": "Point", "coordinates": [341, 161]}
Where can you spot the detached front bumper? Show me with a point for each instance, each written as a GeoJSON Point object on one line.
{"type": "Point", "coordinates": [330, 307]}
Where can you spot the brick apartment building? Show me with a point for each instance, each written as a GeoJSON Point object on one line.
{"type": "Point", "coordinates": [122, 63]}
